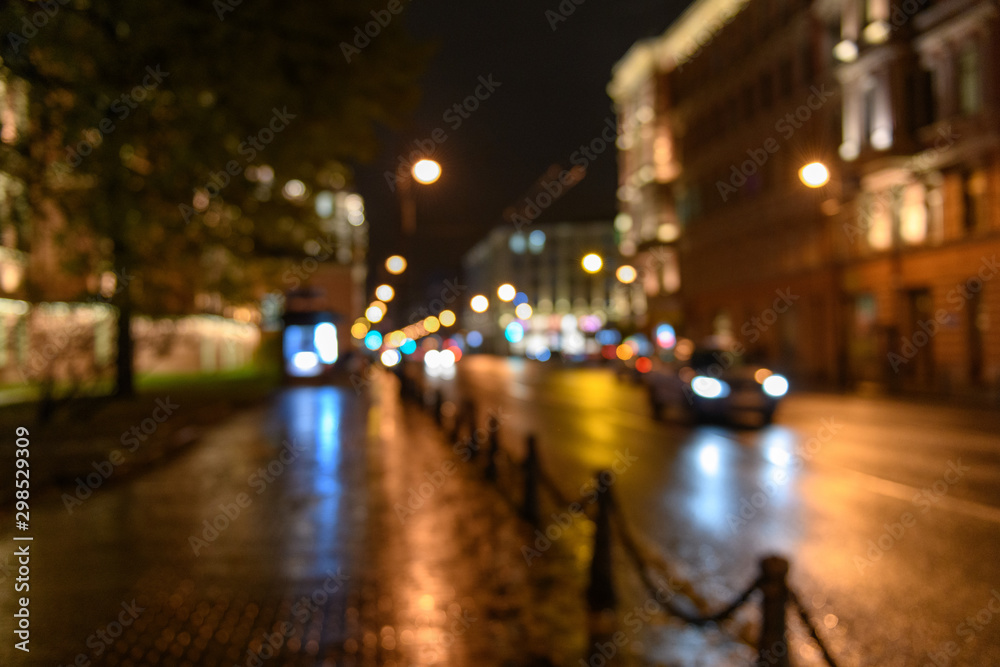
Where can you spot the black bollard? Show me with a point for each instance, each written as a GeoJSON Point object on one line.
{"type": "Point", "coordinates": [456, 426]}
{"type": "Point", "coordinates": [469, 409]}
{"type": "Point", "coordinates": [491, 453]}
{"type": "Point", "coordinates": [438, 408]}
{"type": "Point", "coordinates": [601, 598]}
{"type": "Point", "coordinates": [772, 648]}
{"type": "Point", "coordinates": [530, 509]}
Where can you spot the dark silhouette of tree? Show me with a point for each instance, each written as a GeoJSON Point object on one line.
{"type": "Point", "coordinates": [149, 122]}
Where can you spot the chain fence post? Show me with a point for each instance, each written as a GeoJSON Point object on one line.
{"type": "Point", "coordinates": [530, 508]}
{"type": "Point", "coordinates": [772, 648]}
{"type": "Point", "coordinates": [469, 409]}
{"type": "Point", "coordinates": [601, 597]}
{"type": "Point", "coordinates": [438, 407]}
{"type": "Point", "coordinates": [492, 451]}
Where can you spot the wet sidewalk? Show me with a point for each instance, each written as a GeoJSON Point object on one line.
{"type": "Point", "coordinates": [326, 529]}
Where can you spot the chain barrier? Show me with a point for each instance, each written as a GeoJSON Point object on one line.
{"type": "Point", "coordinates": [807, 622]}
{"type": "Point", "coordinates": [684, 587]}
{"type": "Point", "coordinates": [509, 475]}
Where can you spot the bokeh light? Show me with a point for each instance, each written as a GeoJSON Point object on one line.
{"type": "Point", "coordinates": [814, 174]}
{"type": "Point", "coordinates": [447, 318]}
{"type": "Point", "coordinates": [385, 292]}
{"type": "Point", "coordinates": [373, 340]}
{"type": "Point", "coordinates": [391, 357]}
{"type": "Point", "coordinates": [506, 292]}
{"type": "Point", "coordinates": [514, 332]}
{"type": "Point", "coordinates": [479, 303]}
{"type": "Point", "coordinates": [592, 263]}
{"type": "Point", "coordinates": [626, 274]}
{"type": "Point", "coordinates": [395, 265]}
{"type": "Point", "coordinates": [426, 171]}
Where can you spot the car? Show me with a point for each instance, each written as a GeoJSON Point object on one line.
{"type": "Point", "coordinates": [715, 384]}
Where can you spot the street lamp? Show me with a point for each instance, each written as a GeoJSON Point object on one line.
{"type": "Point", "coordinates": [592, 263]}
{"type": "Point", "coordinates": [814, 175]}
{"type": "Point", "coordinates": [506, 292]}
{"type": "Point", "coordinates": [426, 171]}
{"type": "Point", "coordinates": [385, 293]}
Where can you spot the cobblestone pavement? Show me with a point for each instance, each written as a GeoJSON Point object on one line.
{"type": "Point", "coordinates": [328, 529]}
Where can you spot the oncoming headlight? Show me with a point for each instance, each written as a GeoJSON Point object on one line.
{"type": "Point", "coordinates": [707, 387]}
{"type": "Point", "coordinates": [775, 385]}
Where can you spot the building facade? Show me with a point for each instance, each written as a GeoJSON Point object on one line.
{"type": "Point", "coordinates": [543, 264]}
{"type": "Point", "coordinates": [841, 283]}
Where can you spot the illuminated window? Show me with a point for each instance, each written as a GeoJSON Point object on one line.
{"type": "Point", "coordinates": [876, 217]}
{"type": "Point", "coordinates": [913, 215]}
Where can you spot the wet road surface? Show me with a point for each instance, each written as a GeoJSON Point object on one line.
{"type": "Point", "coordinates": [888, 511]}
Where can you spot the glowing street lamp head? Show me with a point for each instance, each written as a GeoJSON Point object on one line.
{"type": "Point", "coordinates": [385, 292]}
{"type": "Point", "coordinates": [592, 263]}
{"type": "Point", "coordinates": [479, 303]}
{"type": "Point", "coordinates": [426, 171]}
{"type": "Point", "coordinates": [814, 175]}
{"type": "Point", "coordinates": [395, 265]}
{"type": "Point", "coordinates": [626, 274]}
{"type": "Point", "coordinates": [506, 292]}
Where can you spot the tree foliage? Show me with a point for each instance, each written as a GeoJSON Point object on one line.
{"type": "Point", "coordinates": [137, 109]}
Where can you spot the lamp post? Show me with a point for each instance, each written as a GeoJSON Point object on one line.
{"type": "Point", "coordinates": [817, 176]}
{"type": "Point", "coordinates": [423, 172]}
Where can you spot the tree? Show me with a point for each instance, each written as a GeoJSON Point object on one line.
{"type": "Point", "coordinates": [152, 123]}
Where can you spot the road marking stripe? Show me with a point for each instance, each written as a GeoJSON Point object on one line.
{"type": "Point", "coordinates": [906, 492]}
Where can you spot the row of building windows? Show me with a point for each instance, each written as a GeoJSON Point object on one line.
{"type": "Point", "coordinates": [772, 86]}
{"type": "Point", "coordinates": [711, 55]}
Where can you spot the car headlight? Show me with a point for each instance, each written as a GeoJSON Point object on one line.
{"type": "Point", "coordinates": [775, 385]}
{"type": "Point", "coordinates": [707, 387]}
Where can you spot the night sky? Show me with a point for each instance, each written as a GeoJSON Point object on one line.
{"type": "Point", "coordinates": [551, 99]}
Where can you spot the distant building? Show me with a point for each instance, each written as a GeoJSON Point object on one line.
{"type": "Point", "coordinates": [543, 263]}
{"type": "Point", "coordinates": [841, 283]}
